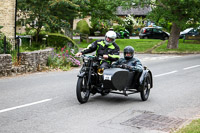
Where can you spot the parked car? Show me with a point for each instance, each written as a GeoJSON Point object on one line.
{"type": "Point", "coordinates": [153, 33]}
{"type": "Point", "coordinates": [189, 31]}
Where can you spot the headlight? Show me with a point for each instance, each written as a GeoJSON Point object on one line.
{"type": "Point", "coordinates": [100, 71]}
{"type": "Point", "coordinates": [86, 59]}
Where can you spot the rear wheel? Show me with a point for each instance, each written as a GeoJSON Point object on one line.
{"type": "Point", "coordinates": [146, 91]}
{"type": "Point", "coordinates": [145, 37]}
{"type": "Point", "coordinates": [82, 92]}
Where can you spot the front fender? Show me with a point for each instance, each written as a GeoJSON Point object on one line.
{"type": "Point", "coordinates": [143, 75]}
{"type": "Point", "coordinates": [81, 75]}
{"type": "Point", "coordinates": [150, 73]}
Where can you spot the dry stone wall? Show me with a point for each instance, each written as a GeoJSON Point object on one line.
{"type": "Point", "coordinates": [29, 62]}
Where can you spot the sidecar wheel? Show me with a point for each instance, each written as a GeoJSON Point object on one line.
{"type": "Point", "coordinates": [82, 92]}
{"type": "Point", "coordinates": [146, 91]}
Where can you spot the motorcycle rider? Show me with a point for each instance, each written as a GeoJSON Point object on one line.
{"type": "Point", "coordinates": [129, 61]}
{"type": "Point", "coordinates": [106, 48]}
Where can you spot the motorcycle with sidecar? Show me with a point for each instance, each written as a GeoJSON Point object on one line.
{"type": "Point", "coordinates": [92, 79]}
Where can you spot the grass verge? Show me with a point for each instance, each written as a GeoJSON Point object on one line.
{"type": "Point", "coordinates": [153, 46]}
{"type": "Point", "coordinates": [187, 47]}
{"type": "Point", "coordinates": [193, 127]}
{"type": "Point", "coordinates": [140, 45]}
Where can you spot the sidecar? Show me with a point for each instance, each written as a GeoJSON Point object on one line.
{"type": "Point", "coordinates": [122, 81]}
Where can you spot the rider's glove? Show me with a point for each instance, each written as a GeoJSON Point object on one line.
{"type": "Point", "coordinates": [119, 66]}
{"type": "Point", "coordinates": [124, 66]}
{"type": "Point", "coordinates": [130, 68]}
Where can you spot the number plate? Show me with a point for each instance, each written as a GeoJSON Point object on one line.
{"type": "Point", "coordinates": [107, 77]}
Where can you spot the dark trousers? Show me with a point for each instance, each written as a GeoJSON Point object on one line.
{"type": "Point", "coordinates": [105, 65]}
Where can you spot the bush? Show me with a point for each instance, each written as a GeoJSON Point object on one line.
{"type": "Point", "coordinates": [118, 28]}
{"type": "Point", "coordinates": [58, 41]}
{"type": "Point", "coordinates": [63, 59]}
{"type": "Point", "coordinates": [8, 45]}
{"type": "Point", "coordinates": [31, 31]}
{"type": "Point", "coordinates": [83, 27]}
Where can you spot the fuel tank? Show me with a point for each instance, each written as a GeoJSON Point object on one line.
{"type": "Point", "coordinates": [117, 78]}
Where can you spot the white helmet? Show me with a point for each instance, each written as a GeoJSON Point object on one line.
{"type": "Point", "coordinates": [110, 37]}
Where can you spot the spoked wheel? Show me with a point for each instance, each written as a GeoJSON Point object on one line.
{"type": "Point", "coordinates": [82, 92]}
{"type": "Point", "coordinates": [146, 91]}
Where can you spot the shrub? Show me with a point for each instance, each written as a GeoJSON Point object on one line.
{"type": "Point", "coordinates": [31, 31]}
{"type": "Point", "coordinates": [8, 45]}
{"type": "Point", "coordinates": [63, 59]}
{"type": "Point", "coordinates": [58, 41]}
{"type": "Point", "coordinates": [118, 28]}
{"type": "Point", "coordinates": [83, 27]}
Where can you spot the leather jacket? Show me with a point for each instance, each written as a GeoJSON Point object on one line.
{"type": "Point", "coordinates": [112, 50]}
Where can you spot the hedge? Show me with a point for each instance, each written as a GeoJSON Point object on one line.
{"type": "Point", "coordinates": [83, 27]}
{"type": "Point", "coordinates": [58, 41]}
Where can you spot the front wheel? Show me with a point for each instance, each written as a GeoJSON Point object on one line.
{"type": "Point", "coordinates": [82, 92]}
{"type": "Point", "coordinates": [146, 91]}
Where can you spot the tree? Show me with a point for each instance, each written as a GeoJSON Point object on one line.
{"type": "Point", "coordinates": [102, 12]}
{"type": "Point", "coordinates": [68, 10]}
{"type": "Point", "coordinates": [54, 14]}
{"type": "Point", "coordinates": [34, 10]}
{"type": "Point", "coordinates": [180, 13]}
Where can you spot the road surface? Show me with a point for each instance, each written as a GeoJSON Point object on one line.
{"type": "Point", "coordinates": [46, 102]}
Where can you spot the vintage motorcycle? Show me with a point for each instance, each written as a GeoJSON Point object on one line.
{"type": "Point", "coordinates": [93, 79]}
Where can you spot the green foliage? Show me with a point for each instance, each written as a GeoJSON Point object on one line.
{"type": "Point", "coordinates": [52, 14]}
{"type": "Point", "coordinates": [58, 41]}
{"type": "Point", "coordinates": [118, 28]}
{"type": "Point", "coordinates": [103, 13]}
{"type": "Point", "coordinates": [103, 9]}
{"type": "Point", "coordinates": [31, 31]}
{"type": "Point", "coordinates": [182, 12]}
{"type": "Point", "coordinates": [8, 45]}
{"type": "Point", "coordinates": [83, 27]}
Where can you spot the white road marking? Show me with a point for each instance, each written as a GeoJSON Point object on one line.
{"type": "Point", "coordinates": [159, 75]}
{"type": "Point", "coordinates": [158, 58]}
{"type": "Point", "coordinates": [25, 105]}
{"type": "Point", "coordinates": [191, 67]}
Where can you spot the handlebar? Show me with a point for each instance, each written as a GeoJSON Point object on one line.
{"type": "Point", "coordinates": [99, 58]}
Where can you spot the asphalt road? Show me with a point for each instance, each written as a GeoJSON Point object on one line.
{"type": "Point", "coordinates": [46, 102]}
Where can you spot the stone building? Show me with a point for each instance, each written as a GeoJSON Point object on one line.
{"type": "Point", "coordinates": [7, 18]}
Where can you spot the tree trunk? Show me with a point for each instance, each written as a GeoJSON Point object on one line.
{"type": "Point", "coordinates": [69, 31]}
{"type": "Point", "coordinates": [37, 33]}
{"type": "Point", "coordinates": [174, 37]}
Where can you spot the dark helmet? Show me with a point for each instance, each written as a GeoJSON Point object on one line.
{"type": "Point", "coordinates": [130, 50]}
